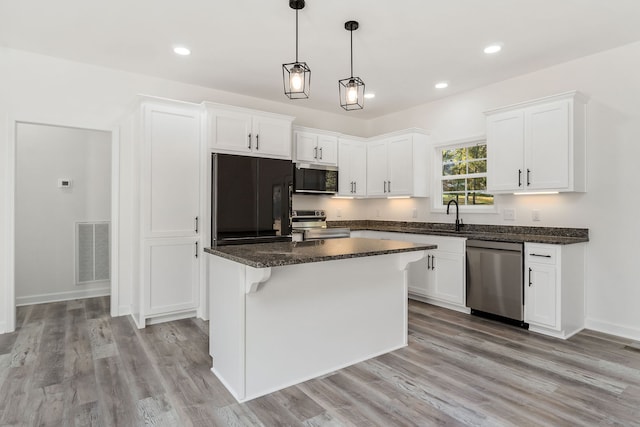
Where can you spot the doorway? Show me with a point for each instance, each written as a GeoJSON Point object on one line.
{"type": "Point", "coordinates": [62, 213]}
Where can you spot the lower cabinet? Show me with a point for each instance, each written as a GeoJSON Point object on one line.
{"type": "Point", "coordinates": [554, 288]}
{"type": "Point", "coordinates": [440, 278]}
{"type": "Point", "coordinates": [171, 278]}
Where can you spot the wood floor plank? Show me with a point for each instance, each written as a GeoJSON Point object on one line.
{"type": "Point", "coordinates": [70, 363]}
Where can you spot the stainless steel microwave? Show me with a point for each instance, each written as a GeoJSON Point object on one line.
{"type": "Point", "coordinates": [314, 179]}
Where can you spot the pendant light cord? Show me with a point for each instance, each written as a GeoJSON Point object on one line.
{"type": "Point", "coordinates": [296, 35]}
{"type": "Point", "coordinates": [351, 32]}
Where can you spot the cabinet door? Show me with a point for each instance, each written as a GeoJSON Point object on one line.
{"type": "Point", "coordinates": [230, 131]}
{"type": "Point", "coordinates": [306, 147]}
{"type": "Point", "coordinates": [272, 137]}
{"type": "Point", "coordinates": [327, 150]}
{"type": "Point", "coordinates": [541, 297]}
{"type": "Point", "coordinates": [505, 152]}
{"type": "Point", "coordinates": [171, 171]}
{"type": "Point", "coordinates": [449, 277]}
{"type": "Point", "coordinates": [170, 275]}
{"type": "Point", "coordinates": [547, 146]}
{"type": "Point", "coordinates": [400, 166]}
{"type": "Point", "coordinates": [358, 167]}
{"type": "Point", "coordinates": [377, 168]}
{"type": "Point", "coordinates": [345, 161]}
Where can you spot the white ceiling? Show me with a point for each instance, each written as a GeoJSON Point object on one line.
{"type": "Point", "coordinates": [401, 49]}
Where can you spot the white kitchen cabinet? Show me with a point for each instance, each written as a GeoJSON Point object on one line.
{"type": "Point", "coordinates": [316, 147]}
{"type": "Point", "coordinates": [440, 279]}
{"type": "Point", "coordinates": [554, 289]}
{"type": "Point", "coordinates": [398, 164]}
{"type": "Point", "coordinates": [352, 168]}
{"type": "Point", "coordinates": [171, 170]}
{"type": "Point", "coordinates": [242, 131]}
{"type": "Point", "coordinates": [171, 276]}
{"type": "Point", "coordinates": [537, 146]}
{"type": "Point", "coordinates": [162, 146]}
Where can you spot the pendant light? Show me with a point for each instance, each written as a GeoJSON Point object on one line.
{"type": "Point", "coordinates": [351, 89]}
{"type": "Point", "coordinates": [296, 76]}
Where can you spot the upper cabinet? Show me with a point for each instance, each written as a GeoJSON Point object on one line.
{"type": "Point", "coordinates": [317, 147]}
{"type": "Point", "coordinates": [397, 165]}
{"type": "Point", "coordinates": [247, 132]}
{"type": "Point", "coordinates": [352, 166]}
{"type": "Point", "coordinates": [538, 145]}
{"type": "Point", "coordinates": [171, 168]}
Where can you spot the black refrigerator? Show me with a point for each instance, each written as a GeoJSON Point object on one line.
{"type": "Point", "coordinates": [250, 200]}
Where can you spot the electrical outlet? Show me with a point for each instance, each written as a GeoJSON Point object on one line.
{"type": "Point", "coordinates": [535, 214]}
{"type": "Point", "coordinates": [509, 214]}
{"type": "Point", "coordinates": [414, 214]}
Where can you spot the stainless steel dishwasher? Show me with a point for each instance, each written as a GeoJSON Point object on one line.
{"type": "Point", "coordinates": [495, 280]}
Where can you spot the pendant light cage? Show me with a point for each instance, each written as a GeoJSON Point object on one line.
{"type": "Point", "coordinates": [296, 76]}
{"type": "Point", "coordinates": [351, 93]}
{"type": "Point", "coordinates": [351, 89]}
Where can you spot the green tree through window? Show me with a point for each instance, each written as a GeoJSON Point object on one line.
{"type": "Point", "coordinates": [464, 175]}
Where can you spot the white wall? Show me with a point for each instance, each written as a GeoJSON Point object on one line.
{"type": "Point", "coordinates": [45, 215]}
{"type": "Point", "coordinates": [41, 89]}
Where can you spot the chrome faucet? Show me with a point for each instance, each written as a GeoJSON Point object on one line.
{"type": "Point", "coordinates": [458, 220]}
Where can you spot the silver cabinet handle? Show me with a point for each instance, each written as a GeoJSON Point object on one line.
{"type": "Point", "coordinates": [196, 249]}
{"type": "Point", "coordinates": [196, 224]}
{"type": "Point", "coordinates": [249, 138]}
{"type": "Point", "coordinates": [320, 153]}
{"type": "Point", "coordinates": [257, 141]}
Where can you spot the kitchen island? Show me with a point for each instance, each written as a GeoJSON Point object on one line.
{"type": "Point", "coordinates": [283, 313]}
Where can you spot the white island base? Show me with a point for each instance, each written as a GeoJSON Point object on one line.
{"type": "Point", "coordinates": [274, 327]}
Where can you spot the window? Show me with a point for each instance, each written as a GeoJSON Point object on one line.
{"type": "Point", "coordinates": [463, 175]}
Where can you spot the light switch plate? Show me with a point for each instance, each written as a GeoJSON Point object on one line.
{"type": "Point", "coordinates": [509, 214]}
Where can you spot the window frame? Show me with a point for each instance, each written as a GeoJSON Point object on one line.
{"type": "Point", "coordinates": [437, 164]}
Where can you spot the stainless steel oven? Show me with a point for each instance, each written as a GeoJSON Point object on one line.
{"type": "Point", "coordinates": [312, 225]}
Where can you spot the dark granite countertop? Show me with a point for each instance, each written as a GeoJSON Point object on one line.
{"type": "Point", "coordinates": [261, 255]}
{"type": "Point", "coordinates": [496, 233]}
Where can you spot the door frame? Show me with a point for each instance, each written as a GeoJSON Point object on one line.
{"type": "Point", "coordinates": [11, 149]}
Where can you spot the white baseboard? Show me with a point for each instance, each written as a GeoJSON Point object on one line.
{"type": "Point", "coordinates": [613, 329]}
{"type": "Point", "coordinates": [63, 296]}
{"type": "Point", "coordinates": [442, 304]}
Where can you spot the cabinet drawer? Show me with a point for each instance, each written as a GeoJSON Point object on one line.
{"type": "Point", "coordinates": [541, 254]}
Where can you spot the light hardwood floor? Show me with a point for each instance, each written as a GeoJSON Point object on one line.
{"type": "Point", "coordinates": [70, 363]}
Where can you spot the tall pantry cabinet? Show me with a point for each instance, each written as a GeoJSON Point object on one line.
{"type": "Point", "coordinates": [166, 201]}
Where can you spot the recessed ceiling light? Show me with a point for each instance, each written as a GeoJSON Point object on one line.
{"type": "Point", "coordinates": [180, 50]}
{"type": "Point", "coordinates": [442, 85]}
{"type": "Point", "coordinates": [369, 95]}
{"type": "Point", "coordinates": [493, 48]}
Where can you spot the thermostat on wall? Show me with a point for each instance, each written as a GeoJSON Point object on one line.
{"type": "Point", "coordinates": [64, 183]}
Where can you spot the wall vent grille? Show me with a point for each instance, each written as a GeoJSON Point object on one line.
{"type": "Point", "coordinates": [92, 252]}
